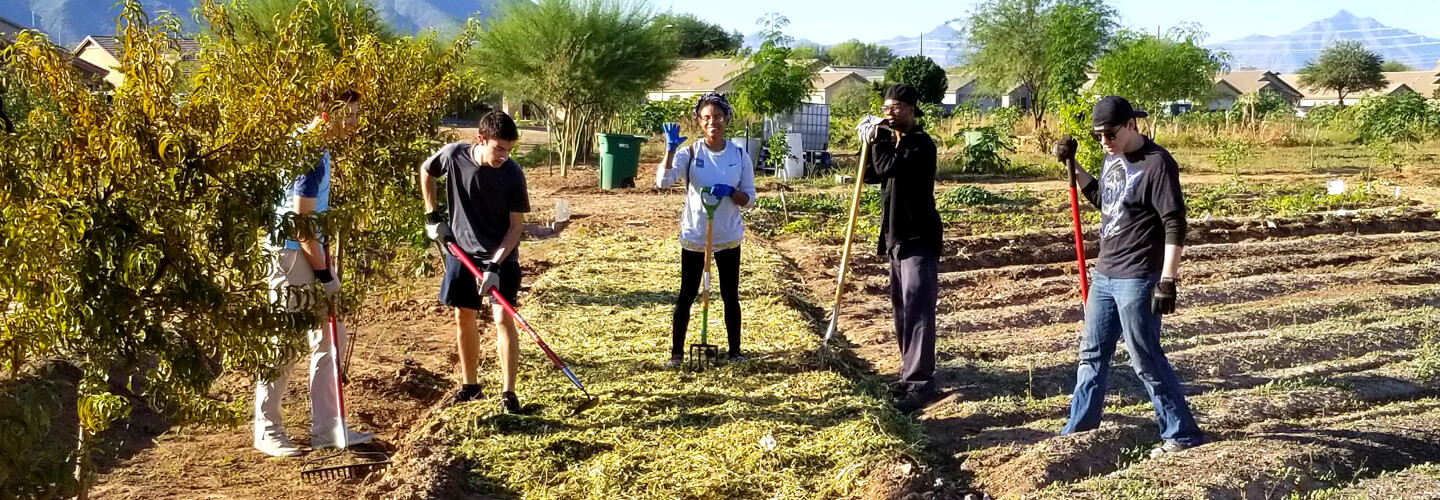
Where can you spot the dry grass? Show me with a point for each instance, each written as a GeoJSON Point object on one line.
{"type": "Point", "coordinates": [605, 306]}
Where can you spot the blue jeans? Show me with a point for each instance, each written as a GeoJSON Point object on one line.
{"type": "Point", "coordinates": [1116, 308]}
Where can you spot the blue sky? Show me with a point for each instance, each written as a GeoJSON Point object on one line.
{"type": "Point", "coordinates": [831, 21]}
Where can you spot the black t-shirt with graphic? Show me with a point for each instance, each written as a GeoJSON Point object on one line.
{"type": "Point", "coordinates": [1141, 210]}
{"type": "Point", "coordinates": [480, 199]}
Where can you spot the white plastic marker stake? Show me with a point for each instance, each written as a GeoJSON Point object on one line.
{"type": "Point", "coordinates": [1336, 187]}
{"type": "Point", "coordinates": [562, 210]}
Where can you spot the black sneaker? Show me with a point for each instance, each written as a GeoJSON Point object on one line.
{"type": "Point", "coordinates": [675, 360]}
{"type": "Point", "coordinates": [898, 390]}
{"type": "Point", "coordinates": [736, 357]}
{"type": "Point", "coordinates": [915, 400]}
{"type": "Point", "coordinates": [468, 392]}
{"type": "Point", "coordinates": [509, 403]}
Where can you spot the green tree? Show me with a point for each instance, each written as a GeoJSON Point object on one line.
{"type": "Point", "coordinates": [5, 97]}
{"type": "Point", "coordinates": [853, 52]}
{"type": "Point", "coordinates": [922, 73]}
{"type": "Point", "coordinates": [258, 18]}
{"type": "Point", "coordinates": [584, 60]}
{"type": "Point", "coordinates": [853, 101]}
{"type": "Point", "coordinates": [772, 83]}
{"type": "Point", "coordinates": [1345, 66]}
{"type": "Point", "coordinates": [1044, 46]}
{"type": "Point", "coordinates": [1403, 117]}
{"type": "Point", "coordinates": [849, 105]}
{"type": "Point", "coordinates": [811, 52]}
{"type": "Point", "coordinates": [135, 225]}
{"type": "Point", "coordinates": [695, 38]}
{"type": "Point", "coordinates": [1394, 66]}
{"type": "Point", "coordinates": [1148, 69]}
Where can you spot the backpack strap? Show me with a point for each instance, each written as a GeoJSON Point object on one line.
{"type": "Point", "coordinates": [690, 166]}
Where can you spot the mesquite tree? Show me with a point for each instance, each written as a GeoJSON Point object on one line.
{"type": "Point", "coordinates": [584, 60]}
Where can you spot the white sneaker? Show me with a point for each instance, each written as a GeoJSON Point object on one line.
{"type": "Point", "coordinates": [276, 446]}
{"type": "Point", "coordinates": [352, 438]}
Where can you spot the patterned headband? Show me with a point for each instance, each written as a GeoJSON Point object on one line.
{"type": "Point", "coordinates": [713, 99]}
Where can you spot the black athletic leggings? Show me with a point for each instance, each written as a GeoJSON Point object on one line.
{"type": "Point", "coordinates": [727, 267]}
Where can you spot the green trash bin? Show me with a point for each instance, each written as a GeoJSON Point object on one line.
{"type": "Point", "coordinates": [619, 160]}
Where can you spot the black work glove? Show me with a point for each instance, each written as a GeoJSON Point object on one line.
{"type": "Point", "coordinates": [328, 283]}
{"type": "Point", "coordinates": [1163, 301]}
{"type": "Point", "coordinates": [437, 229]}
{"type": "Point", "coordinates": [1065, 149]}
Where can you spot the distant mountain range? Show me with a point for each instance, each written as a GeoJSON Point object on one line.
{"type": "Point", "coordinates": [944, 44]}
{"type": "Point", "coordinates": [1289, 52]}
{"type": "Point", "coordinates": [70, 21]}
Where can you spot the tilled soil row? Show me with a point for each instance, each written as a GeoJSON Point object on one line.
{"type": "Point", "coordinates": [1421, 481]}
{"type": "Point", "coordinates": [1019, 470]}
{"type": "Point", "coordinates": [1199, 325]}
{"type": "Point", "coordinates": [1042, 284]}
{"type": "Point", "coordinates": [1219, 365]}
{"type": "Point", "coordinates": [1282, 462]}
{"type": "Point", "coordinates": [1052, 246]}
{"type": "Point", "coordinates": [1248, 289]}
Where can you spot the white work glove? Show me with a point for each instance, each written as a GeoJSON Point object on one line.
{"type": "Point", "coordinates": [869, 126]}
{"type": "Point", "coordinates": [437, 229]}
{"type": "Point", "coordinates": [489, 279]}
{"type": "Point", "coordinates": [328, 283]}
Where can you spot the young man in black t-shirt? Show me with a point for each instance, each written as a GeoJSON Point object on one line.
{"type": "Point", "coordinates": [1142, 233]}
{"type": "Point", "coordinates": [487, 201]}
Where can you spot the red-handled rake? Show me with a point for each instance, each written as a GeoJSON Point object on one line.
{"type": "Point", "coordinates": [590, 400]}
{"type": "Point", "coordinates": [360, 463]}
{"type": "Point", "coordinates": [1070, 166]}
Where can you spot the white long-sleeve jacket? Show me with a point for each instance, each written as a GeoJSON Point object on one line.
{"type": "Point", "coordinates": [732, 167]}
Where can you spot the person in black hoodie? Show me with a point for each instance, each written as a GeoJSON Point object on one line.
{"type": "Point", "coordinates": [902, 160]}
{"type": "Point", "coordinates": [1142, 233]}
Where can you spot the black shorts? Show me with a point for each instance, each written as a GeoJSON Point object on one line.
{"type": "Point", "coordinates": [460, 289]}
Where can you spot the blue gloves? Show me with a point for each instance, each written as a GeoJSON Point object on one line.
{"type": "Point", "coordinates": [722, 190]}
{"type": "Point", "coordinates": [672, 136]}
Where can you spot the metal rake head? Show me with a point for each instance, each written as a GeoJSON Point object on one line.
{"type": "Point", "coordinates": [315, 470]}
{"type": "Point", "coordinates": [589, 403]}
{"type": "Point", "coordinates": [702, 355]}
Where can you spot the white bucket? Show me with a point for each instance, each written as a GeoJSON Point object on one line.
{"type": "Point", "coordinates": [794, 166]}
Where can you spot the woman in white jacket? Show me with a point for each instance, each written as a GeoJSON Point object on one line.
{"type": "Point", "coordinates": [724, 168]}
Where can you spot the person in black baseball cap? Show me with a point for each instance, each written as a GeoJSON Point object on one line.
{"type": "Point", "coordinates": [1142, 233]}
{"type": "Point", "coordinates": [903, 160]}
{"type": "Point", "coordinates": [1113, 120]}
{"type": "Point", "coordinates": [904, 93]}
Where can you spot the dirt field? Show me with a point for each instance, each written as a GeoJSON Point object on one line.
{"type": "Point", "coordinates": [1295, 341]}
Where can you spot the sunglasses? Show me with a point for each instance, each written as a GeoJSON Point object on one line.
{"type": "Point", "coordinates": [1108, 133]}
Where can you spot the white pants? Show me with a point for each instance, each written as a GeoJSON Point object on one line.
{"type": "Point", "coordinates": [292, 273]}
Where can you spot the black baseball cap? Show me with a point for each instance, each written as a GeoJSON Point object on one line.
{"type": "Point", "coordinates": [1113, 110]}
{"type": "Point", "coordinates": [906, 94]}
